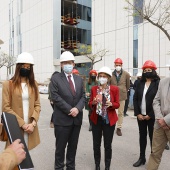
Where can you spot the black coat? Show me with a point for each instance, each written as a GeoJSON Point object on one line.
{"type": "Point", "coordinates": [150, 95]}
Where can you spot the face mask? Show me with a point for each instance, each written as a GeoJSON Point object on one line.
{"type": "Point", "coordinates": [93, 77]}
{"type": "Point", "coordinates": [24, 72]}
{"type": "Point", "coordinates": [148, 75]}
{"type": "Point", "coordinates": [68, 68]}
{"type": "Point", "coordinates": [118, 68]}
{"type": "Point", "coordinates": [102, 80]}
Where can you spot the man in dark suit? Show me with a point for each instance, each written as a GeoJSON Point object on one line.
{"type": "Point", "coordinates": [67, 93]}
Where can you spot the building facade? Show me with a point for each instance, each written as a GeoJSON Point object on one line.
{"type": "Point", "coordinates": [127, 37]}
{"type": "Point", "coordinates": [45, 28]}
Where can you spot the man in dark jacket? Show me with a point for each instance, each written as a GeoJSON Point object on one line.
{"type": "Point", "coordinates": [67, 94]}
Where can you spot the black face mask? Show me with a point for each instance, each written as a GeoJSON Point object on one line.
{"type": "Point", "coordinates": [148, 75]}
{"type": "Point", "coordinates": [93, 78]}
{"type": "Point", "coordinates": [24, 72]}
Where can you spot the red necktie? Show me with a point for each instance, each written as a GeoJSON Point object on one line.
{"type": "Point", "coordinates": [71, 85]}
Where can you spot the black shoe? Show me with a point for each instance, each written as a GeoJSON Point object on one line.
{"type": "Point", "coordinates": [125, 115]}
{"type": "Point", "coordinates": [167, 147]}
{"type": "Point", "coordinates": [139, 162]}
{"type": "Point", "coordinates": [97, 167]}
{"type": "Point", "coordinates": [90, 128]}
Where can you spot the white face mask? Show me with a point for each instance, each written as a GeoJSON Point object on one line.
{"type": "Point", "coordinates": [118, 68]}
{"type": "Point", "coordinates": [102, 80]}
{"type": "Point", "coordinates": [68, 68]}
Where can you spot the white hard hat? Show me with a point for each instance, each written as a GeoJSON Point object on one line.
{"type": "Point", "coordinates": [25, 58]}
{"type": "Point", "coordinates": [106, 70]}
{"type": "Point", "coordinates": [130, 74]}
{"type": "Point", "coordinates": [139, 74]}
{"type": "Point", "coordinates": [66, 56]}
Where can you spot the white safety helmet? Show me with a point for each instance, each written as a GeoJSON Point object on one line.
{"type": "Point", "coordinates": [139, 74]}
{"type": "Point", "coordinates": [25, 58]}
{"type": "Point", "coordinates": [66, 56]}
{"type": "Point", "coordinates": [106, 70]}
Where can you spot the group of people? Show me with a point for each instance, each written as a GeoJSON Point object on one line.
{"type": "Point", "coordinates": [106, 92]}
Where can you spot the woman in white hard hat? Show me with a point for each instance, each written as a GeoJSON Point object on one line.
{"type": "Point", "coordinates": [20, 97]}
{"type": "Point", "coordinates": [104, 100]}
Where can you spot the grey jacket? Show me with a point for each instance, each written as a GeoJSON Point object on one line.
{"type": "Point", "coordinates": [161, 102]}
{"type": "Point", "coordinates": [64, 100]}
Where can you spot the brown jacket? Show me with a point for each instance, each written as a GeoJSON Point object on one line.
{"type": "Point", "coordinates": [8, 160]}
{"type": "Point", "coordinates": [13, 104]}
{"type": "Point", "coordinates": [123, 84]}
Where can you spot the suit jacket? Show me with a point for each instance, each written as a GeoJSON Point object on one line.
{"type": "Point", "coordinates": [150, 94]}
{"type": "Point", "coordinates": [161, 103]}
{"type": "Point", "coordinates": [114, 98]}
{"type": "Point", "coordinates": [123, 84]}
{"type": "Point", "coordinates": [12, 103]}
{"type": "Point", "coordinates": [8, 159]}
{"type": "Point", "coordinates": [64, 100]}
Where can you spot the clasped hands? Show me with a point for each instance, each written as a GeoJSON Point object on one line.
{"type": "Point", "coordinates": [108, 103]}
{"type": "Point", "coordinates": [73, 112]}
{"type": "Point", "coordinates": [141, 117]}
{"type": "Point", "coordinates": [29, 128]}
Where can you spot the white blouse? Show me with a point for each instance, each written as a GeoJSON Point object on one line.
{"type": "Point", "coordinates": [143, 104]}
{"type": "Point", "coordinates": [25, 103]}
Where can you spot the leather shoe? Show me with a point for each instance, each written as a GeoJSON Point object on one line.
{"type": "Point", "coordinates": [107, 168]}
{"type": "Point", "coordinates": [140, 162]}
{"type": "Point", "coordinates": [119, 133]}
{"type": "Point", "coordinates": [97, 167]}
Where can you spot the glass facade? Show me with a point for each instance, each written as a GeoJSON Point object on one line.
{"type": "Point", "coordinates": [75, 25]}
{"type": "Point", "coordinates": [137, 19]}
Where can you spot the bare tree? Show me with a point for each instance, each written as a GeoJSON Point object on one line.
{"type": "Point", "coordinates": [7, 61]}
{"type": "Point", "coordinates": [94, 58]}
{"type": "Point", "coordinates": [3, 59]}
{"type": "Point", "coordinates": [156, 12]}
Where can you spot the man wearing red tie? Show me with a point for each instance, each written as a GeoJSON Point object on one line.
{"type": "Point", "coordinates": [67, 93]}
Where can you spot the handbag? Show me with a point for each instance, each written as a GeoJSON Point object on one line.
{"type": "Point", "coordinates": [3, 133]}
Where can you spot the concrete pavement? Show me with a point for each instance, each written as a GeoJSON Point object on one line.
{"type": "Point", "coordinates": [125, 148]}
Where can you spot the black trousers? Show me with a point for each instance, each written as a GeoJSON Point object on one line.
{"type": "Point", "coordinates": [107, 131]}
{"type": "Point", "coordinates": [66, 136]}
{"type": "Point", "coordinates": [144, 127]}
{"type": "Point", "coordinates": [126, 103]}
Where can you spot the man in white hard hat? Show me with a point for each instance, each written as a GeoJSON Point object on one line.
{"type": "Point", "coordinates": [67, 94]}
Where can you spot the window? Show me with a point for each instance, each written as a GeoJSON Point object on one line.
{"type": "Point", "coordinates": [138, 4]}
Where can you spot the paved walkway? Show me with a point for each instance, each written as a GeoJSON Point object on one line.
{"type": "Point", "coordinates": [125, 148]}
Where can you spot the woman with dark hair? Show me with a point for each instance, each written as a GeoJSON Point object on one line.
{"type": "Point", "coordinates": [91, 82]}
{"type": "Point", "coordinates": [20, 97]}
{"type": "Point", "coordinates": [104, 99]}
{"type": "Point", "coordinates": [143, 98]}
